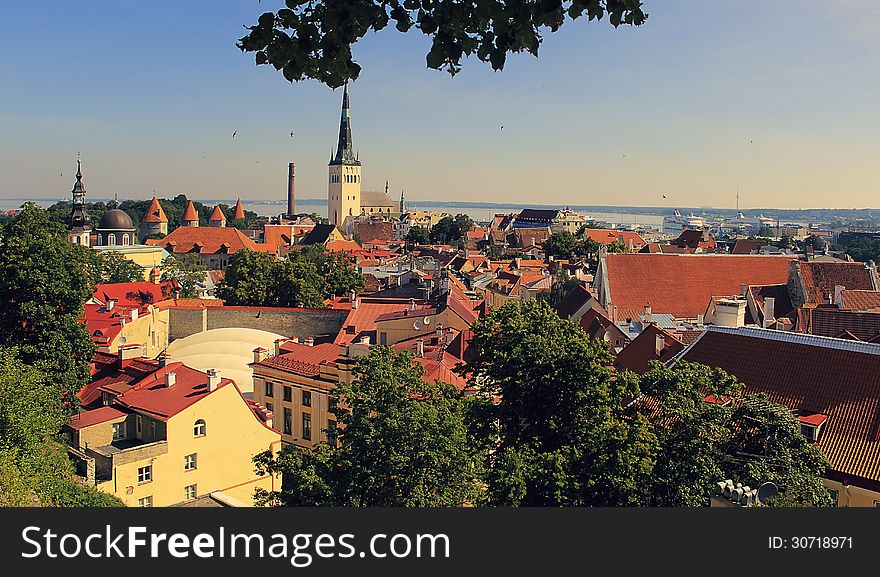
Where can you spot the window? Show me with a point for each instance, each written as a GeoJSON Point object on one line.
{"type": "Point", "coordinates": [809, 432]}
{"type": "Point", "coordinates": [307, 399]}
{"type": "Point", "coordinates": [189, 492]}
{"type": "Point", "coordinates": [199, 428]}
{"type": "Point", "coordinates": [307, 427]}
{"type": "Point", "coordinates": [152, 429]}
{"type": "Point", "coordinates": [118, 430]}
{"type": "Point", "coordinates": [125, 239]}
{"type": "Point", "coordinates": [834, 496]}
{"type": "Point", "coordinates": [111, 239]}
{"type": "Point", "coordinates": [139, 424]}
{"type": "Point", "coordinates": [288, 394]}
{"type": "Point", "coordinates": [190, 462]}
{"type": "Point", "coordinates": [270, 389]}
{"type": "Point", "coordinates": [145, 501]}
{"type": "Point", "coordinates": [270, 407]}
{"type": "Point", "coordinates": [331, 431]}
{"type": "Point", "coordinates": [288, 422]}
{"type": "Point", "coordinates": [145, 474]}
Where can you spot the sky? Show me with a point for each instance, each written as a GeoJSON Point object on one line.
{"type": "Point", "coordinates": [778, 100]}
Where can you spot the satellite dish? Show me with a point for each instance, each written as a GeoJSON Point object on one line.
{"type": "Point", "coordinates": [767, 491]}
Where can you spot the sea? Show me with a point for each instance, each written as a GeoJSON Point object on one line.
{"type": "Point", "coordinates": [478, 212]}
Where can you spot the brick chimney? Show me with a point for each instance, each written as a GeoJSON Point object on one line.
{"type": "Point", "coordinates": [259, 354]}
{"type": "Point", "coordinates": [110, 304]}
{"type": "Point", "coordinates": [649, 316]}
{"type": "Point", "coordinates": [365, 340]}
{"type": "Point", "coordinates": [310, 341]}
{"type": "Point", "coordinates": [353, 298]}
{"type": "Point", "coordinates": [838, 295]}
{"type": "Point", "coordinates": [291, 189]}
{"type": "Point", "coordinates": [278, 346]}
{"type": "Point", "coordinates": [170, 378]}
{"type": "Point", "coordinates": [213, 379]}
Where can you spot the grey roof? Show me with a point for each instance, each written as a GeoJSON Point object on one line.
{"type": "Point", "coordinates": [318, 235]}
{"type": "Point", "coordinates": [116, 219]}
{"type": "Point", "coordinates": [375, 198]}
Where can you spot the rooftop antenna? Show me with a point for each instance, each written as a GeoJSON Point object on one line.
{"type": "Point", "coordinates": [737, 199]}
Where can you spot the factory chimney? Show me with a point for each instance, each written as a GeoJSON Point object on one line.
{"type": "Point", "coordinates": [290, 190]}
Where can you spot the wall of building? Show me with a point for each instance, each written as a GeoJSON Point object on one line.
{"type": "Point", "coordinates": [149, 329]}
{"type": "Point", "coordinates": [301, 323]}
{"type": "Point", "coordinates": [852, 496]}
{"type": "Point", "coordinates": [397, 330]}
{"type": "Point", "coordinates": [224, 455]}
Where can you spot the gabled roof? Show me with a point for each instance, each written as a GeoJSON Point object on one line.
{"type": "Point", "coordinates": [437, 362]}
{"type": "Point", "coordinates": [820, 278]}
{"type": "Point", "coordinates": [607, 236]}
{"type": "Point", "coordinates": [154, 212]}
{"type": "Point", "coordinates": [239, 211]}
{"type": "Point", "coordinates": [681, 285]}
{"type": "Point", "coordinates": [829, 321]}
{"type": "Point", "coordinates": [217, 215]}
{"type": "Point", "coordinates": [301, 359]}
{"type": "Point", "coordinates": [376, 198]}
{"type": "Point", "coordinates": [95, 417]}
{"type": "Point", "coordinates": [208, 240]}
{"type": "Point", "coordinates": [319, 235]}
{"type": "Point", "coordinates": [573, 302]}
{"type": "Point", "coordinates": [130, 293]}
{"type": "Point", "coordinates": [782, 306]}
{"type": "Point", "coordinates": [747, 246]}
{"type": "Point", "coordinates": [361, 321]}
{"type": "Point", "coordinates": [637, 355]}
{"type": "Point", "coordinates": [809, 375]}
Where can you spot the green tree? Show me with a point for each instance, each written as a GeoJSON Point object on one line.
{"type": "Point", "coordinates": [402, 443]}
{"type": "Point", "coordinates": [744, 437]}
{"type": "Point", "coordinates": [248, 279]}
{"type": "Point", "coordinates": [44, 282]}
{"type": "Point", "coordinates": [185, 272]}
{"type": "Point", "coordinates": [450, 229]}
{"type": "Point", "coordinates": [561, 434]}
{"type": "Point", "coordinates": [296, 282]}
{"type": "Point", "coordinates": [34, 468]}
{"type": "Point", "coordinates": [864, 249]}
{"type": "Point", "coordinates": [816, 243]}
{"type": "Point", "coordinates": [314, 39]}
{"type": "Point", "coordinates": [617, 247]}
{"type": "Point", "coordinates": [341, 276]}
{"type": "Point", "coordinates": [418, 235]}
{"type": "Point", "coordinates": [563, 245]}
{"type": "Point", "coordinates": [112, 267]}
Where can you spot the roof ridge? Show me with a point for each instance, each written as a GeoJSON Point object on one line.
{"type": "Point", "coordinates": [801, 338]}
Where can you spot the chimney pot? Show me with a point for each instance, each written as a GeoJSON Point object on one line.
{"type": "Point", "coordinates": [420, 348]}
{"type": "Point", "coordinates": [259, 354]}
{"type": "Point", "coordinates": [310, 341]}
{"type": "Point", "coordinates": [278, 346]}
{"type": "Point", "coordinates": [170, 378]}
{"type": "Point", "coordinates": [213, 379]}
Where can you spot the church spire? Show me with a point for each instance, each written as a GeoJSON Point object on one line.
{"type": "Point", "coordinates": [345, 147]}
{"type": "Point", "coordinates": [402, 203]}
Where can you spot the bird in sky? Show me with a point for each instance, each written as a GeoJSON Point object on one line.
{"type": "Point", "coordinates": [664, 196]}
{"type": "Point", "coordinates": [502, 127]}
{"type": "Point", "coordinates": [234, 133]}
{"type": "Point", "coordinates": [291, 134]}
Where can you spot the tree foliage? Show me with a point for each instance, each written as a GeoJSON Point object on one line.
{"type": "Point", "coordinates": [112, 267]}
{"type": "Point", "coordinates": [563, 435]}
{"type": "Point", "coordinates": [305, 278]}
{"type": "Point", "coordinates": [34, 468]}
{"type": "Point", "coordinates": [44, 282]}
{"type": "Point", "coordinates": [313, 39]}
{"type": "Point", "coordinates": [450, 229]}
{"type": "Point", "coordinates": [567, 246]}
{"type": "Point", "coordinates": [401, 442]}
{"type": "Point", "coordinates": [418, 235]}
{"type": "Point", "coordinates": [185, 272]}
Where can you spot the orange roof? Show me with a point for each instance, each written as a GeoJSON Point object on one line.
{"type": "Point", "coordinates": [217, 215]}
{"type": "Point", "coordinates": [152, 396]}
{"type": "Point", "coordinates": [363, 318]}
{"type": "Point", "coordinates": [211, 240]}
{"type": "Point", "coordinates": [607, 236]}
{"type": "Point", "coordinates": [681, 285]}
{"type": "Point", "coordinates": [303, 359]}
{"type": "Point", "coordinates": [861, 300]}
{"type": "Point", "coordinates": [342, 246]}
{"type": "Point", "coordinates": [820, 278]}
{"type": "Point", "coordinates": [239, 211]}
{"type": "Point", "coordinates": [155, 212]}
{"type": "Point", "coordinates": [131, 293]}
{"type": "Point", "coordinates": [190, 214]}
{"type": "Point", "coordinates": [95, 417]}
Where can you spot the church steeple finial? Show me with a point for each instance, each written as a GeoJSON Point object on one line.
{"type": "Point", "coordinates": [345, 148]}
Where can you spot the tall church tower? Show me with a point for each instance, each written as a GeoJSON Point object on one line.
{"type": "Point", "coordinates": [344, 185]}
{"type": "Point", "coordinates": [80, 224]}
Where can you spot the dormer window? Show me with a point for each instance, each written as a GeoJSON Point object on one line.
{"type": "Point", "coordinates": [811, 424]}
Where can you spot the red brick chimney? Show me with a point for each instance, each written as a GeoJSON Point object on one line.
{"type": "Point", "coordinates": [291, 190]}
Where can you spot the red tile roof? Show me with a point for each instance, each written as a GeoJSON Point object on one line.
{"type": "Point", "coordinates": [303, 359]}
{"type": "Point", "coordinates": [747, 246]}
{"type": "Point", "coordinates": [106, 371]}
{"type": "Point", "coordinates": [190, 214]}
{"type": "Point", "coordinates": [239, 211]}
{"type": "Point", "coordinates": [681, 285]}
{"type": "Point", "coordinates": [820, 278]}
{"type": "Point", "coordinates": [833, 377]}
{"type": "Point", "coordinates": [207, 240]}
{"type": "Point", "coordinates": [637, 355]}
{"type": "Point", "coordinates": [861, 300]}
{"type": "Point", "coordinates": [342, 246]}
{"type": "Point", "coordinates": [436, 361]}
{"type": "Point", "coordinates": [134, 294]}
{"type": "Point", "coordinates": [829, 321]}
{"type": "Point", "coordinates": [217, 215]}
{"type": "Point", "coordinates": [154, 212]}
{"type": "Point", "coordinates": [363, 319]}
{"type": "Point", "coordinates": [573, 302]}
{"type": "Point", "coordinates": [95, 417]}
{"type": "Point", "coordinates": [607, 236]}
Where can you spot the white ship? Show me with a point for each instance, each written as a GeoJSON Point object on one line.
{"type": "Point", "coordinates": [676, 223]}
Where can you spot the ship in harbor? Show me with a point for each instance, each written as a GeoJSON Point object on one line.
{"type": "Point", "coordinates": [676, 222]}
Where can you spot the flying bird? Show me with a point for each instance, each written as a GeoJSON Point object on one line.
{"type": "Point", "coordinates": [664, 196]}
{"type": "Point", "coordinates": [502, 127]}
{"type": "Point", "coordinates": [291, 134]}
{"type": "Point", "coordinates": [234, 133]}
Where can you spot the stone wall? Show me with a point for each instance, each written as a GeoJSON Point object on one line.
{"type": "Point", "coordinates": [300, 323]}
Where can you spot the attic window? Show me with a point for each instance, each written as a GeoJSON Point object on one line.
{"type": "Point", "coordinates": [721, 401]}
{"type": "Point", "coordinates": [811, 425]}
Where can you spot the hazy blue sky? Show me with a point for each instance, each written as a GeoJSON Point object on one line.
{"type": "Point", "coordinates": [777, 98]}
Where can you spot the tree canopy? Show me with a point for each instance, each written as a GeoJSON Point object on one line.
{"type": "Point", "coordinates": [313, 39]}
{"type": "Point", "coordinates": [44, 282]}
{"type": "Point", "coordinates": [450, 229]}
{"type": "Point", "coordinates": [418, 235]}
{"type": "Point", "coordinates": [305, 278]}
{"type": "Point", "coordinates": [185, 271]}
{"type": "Point", "coordinates": [112, 267]}
{"type": "Point", "coordinates": [401, 442]}
{"type": "Point", "coordinates": [567, 246]}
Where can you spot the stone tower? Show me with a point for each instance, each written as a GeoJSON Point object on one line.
{"type": "Point", "coordinates": [155, 221]}
{"type": "Point", "coordinates": [344, 184]}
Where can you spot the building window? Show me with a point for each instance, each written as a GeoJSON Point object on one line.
{"type": "Point", "coordinates": [190, 462]}
{"type": "Point", "coordinates": [189, 492]}
{"type": "Point", "coordinates": [288, 422]}
{"type": "Point", "coordinates": [307, 427]}
{"type": "Point", "coordinates": [270, 407]}
{"type": "Point", "coordinates": [307, 399]}
{"type": "Point", "coordinates": [331, 431]}
{"type": "Point", "coordinates": [199, 428]}
{"type": "Point", "coordinates": [145, 474]}
{"type": "Point", "coordinates": [288, 394]}
{"type": "Point", "coordinates": [270, 388]}
{"type": "Point", "coordinates": [834, 496]}
{"type": "Point", "coordinates": [139, 423]}
{"type": "Point", "coordinates": [809, 432]}
{"type": "Point", "coordinates": [145, 501]}
{"type": "Point", "coordinates": [125, 240]}
{"type": "Point", "coordinates": [118, 430]}
{"type": "Point", "coordinates": [152, 429]}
